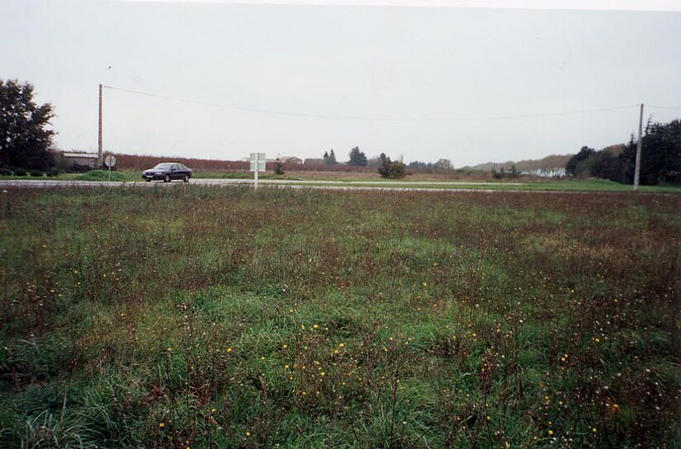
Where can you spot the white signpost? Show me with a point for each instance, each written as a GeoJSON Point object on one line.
{"type": "Point", "coordinates": [110, 162]}
{"type": "Point", "coordinates": [257, 165]}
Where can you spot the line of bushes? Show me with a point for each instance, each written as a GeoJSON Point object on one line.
{"type": "Point", "coordinates": [22, 172]}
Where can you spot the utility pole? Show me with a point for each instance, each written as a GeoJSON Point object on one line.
{"type": "Point", "coordinates": [637, 170]}
{"type": "Point", "coordinates": [99, 136]}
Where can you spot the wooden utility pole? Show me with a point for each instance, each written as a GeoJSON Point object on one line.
{"type": "Point", "coordinates": [100, 161]}
{"type": "Point", "coordinates": [637, 170]}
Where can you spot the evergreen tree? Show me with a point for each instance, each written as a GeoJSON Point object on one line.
{"type": "Point", "coordinates": [660, 157]}
{"type": "Point", "coordinates": [357, 158]}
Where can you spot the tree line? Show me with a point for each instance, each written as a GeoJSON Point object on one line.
{"type": "Point", "coordinates": [660, 157]}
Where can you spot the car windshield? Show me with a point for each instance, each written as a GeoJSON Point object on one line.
{"type": "Point", "coordinates": [164, 166]}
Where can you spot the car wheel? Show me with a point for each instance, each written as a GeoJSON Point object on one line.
{"type": "Point", "coordinates": [148, 179]}
{"type": "Point", "coordinates": [185, 178]}
{"type": "Point", "coordinates": [167, 178]}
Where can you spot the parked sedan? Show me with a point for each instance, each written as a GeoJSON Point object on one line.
{"type": "Point", "coordinates": [167, 171]}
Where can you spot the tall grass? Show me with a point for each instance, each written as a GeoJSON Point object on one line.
{"type": "Point", "coordinates": [206, 317]}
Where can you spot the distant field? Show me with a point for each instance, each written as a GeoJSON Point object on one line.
{"type": "Point", "coordinates": [209, 317]}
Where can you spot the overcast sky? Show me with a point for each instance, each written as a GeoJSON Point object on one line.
{"type": "Point", "coordinates": [420, 70]}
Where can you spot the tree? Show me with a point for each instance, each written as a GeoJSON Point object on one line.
{"type": "Point", "coordinates": [442, 164]}
{"type": "Point", "coordinates": [384, 167]}
{"type": "Point", "coordinates": [584, 153]}
{"type": "Point", "coordinates": [357, 158]}
{"type": "Point", "coordinates": [330, 158]}
{"type": "Point", "coordinates": [391, 169]}
{"type": "Point", "coordinates": [660, 157]}
{"type": "Point", "coordinates": [661, 153]}
{"type": "Point", "coordinates": [426, 166]}
{"type": "Point", "coordinates": [278, 167]}
{"type": "Point", "coordinates": [25, 140]}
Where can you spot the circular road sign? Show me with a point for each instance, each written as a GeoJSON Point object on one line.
{"type": "Point", "coordinates": [110, 160]}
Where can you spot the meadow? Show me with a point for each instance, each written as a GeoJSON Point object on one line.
{"type": "Point", "coordinates": [204, 317]}
{"type": "Point", "coordinates": [460, 181]}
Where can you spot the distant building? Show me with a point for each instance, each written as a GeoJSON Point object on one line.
{"type": "Point", "coordinates": [313, 161]}
{"type": "Point", "coordinates": [546, 172]}
{"type": "Point", "coordinates": [290, 160]}
{"type": "Point", "coordinates": [81, 159]}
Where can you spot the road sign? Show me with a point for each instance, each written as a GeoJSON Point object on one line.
{"type": "Point", "coordinates": [110, 160]}
{"type": "Point", "coordinates": [258, 162]}
{"type": "Point", "coordinates": [257, 165]}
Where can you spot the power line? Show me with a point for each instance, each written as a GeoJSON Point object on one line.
{"type": "Point", "coordinates": [369, 118]}
{"type": "Point", "coordinates": [662, 107]}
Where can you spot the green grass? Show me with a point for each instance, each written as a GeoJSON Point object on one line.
{"type": "Point", "coordinates": [585, 185]}
{"type": "Point", "coordinates": [241, 175]}
{"type": "Point", "coordinates": [92, 175]}
{"type": "Point", "coordinates": [210, 317]}
{"type": "Point", "coordinates": [105, 175]}
{"type": "Point", "coordinates": [549, 185]}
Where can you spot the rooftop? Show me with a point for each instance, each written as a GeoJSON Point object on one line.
{"type": "Point", "coordinates": [86, 155]}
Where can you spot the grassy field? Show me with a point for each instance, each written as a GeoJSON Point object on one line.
{"type": "Point", "coordinates": [204, 317]}
{"type": "Point", "coordinates": [364, 179]}
{"type": "Point", "coordinates": [563, 185]}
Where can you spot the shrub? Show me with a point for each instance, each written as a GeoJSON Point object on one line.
{"type": "Point", "coordinates": [20, 172]}
{"type": "Point", "coordinates": [392, 169]}
{"type": "Point", "coordinates": [101, 175]}
{"type": "Point", "coordinates": [37, 173]}
{"type": "Point", "coordinates": [514, 173]}
{"type": "Point", "coordinates": [5, 172]}
{"type": "Point", "coordinates": [278, 167]}
{"type": "Point", "coordinates": [80, 168]}
{"type": "Point", "coordinates": [498, 174]}
{"type": "Point", "coordinates": [52, 172]}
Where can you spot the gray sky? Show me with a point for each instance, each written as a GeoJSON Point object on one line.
{"type": "Point", "coordinates": [342, 61]}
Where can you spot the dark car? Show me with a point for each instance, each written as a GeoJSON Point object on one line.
{"type": "Point", "coordinates": [167, 171]}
